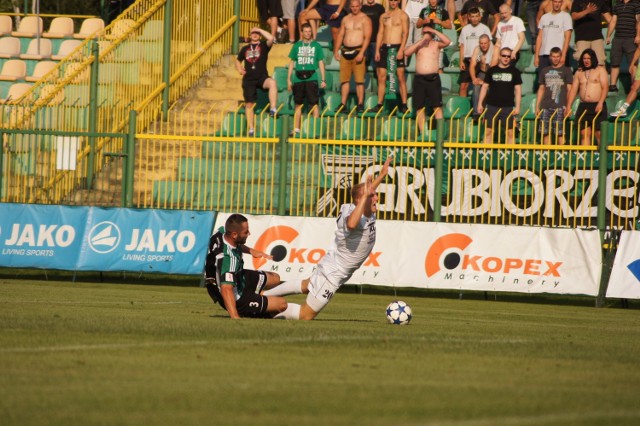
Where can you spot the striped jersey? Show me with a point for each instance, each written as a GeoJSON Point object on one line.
{"type": "Point", "coordinates": [225, 264]}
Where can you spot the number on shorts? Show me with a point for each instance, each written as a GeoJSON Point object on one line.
{"type": "Point", "coordinates": [254, 304]}
{"type": "Point", "coordinates": [327, 294]}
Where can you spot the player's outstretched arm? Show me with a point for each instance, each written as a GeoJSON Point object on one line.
{"type": "Point", "coordinates": [383, 172]}
{"type": "Point", "coordinates": [255, 253]}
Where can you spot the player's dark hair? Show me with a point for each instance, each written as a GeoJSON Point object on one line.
{"type": "Point", "coordinates": [474, 10]}
{"type": "Point", "coordinates": [305, 25]}
{"type": "Point", "coordinates": [234, 223]}
{"type": "Point", "coordinates": [556, 50]}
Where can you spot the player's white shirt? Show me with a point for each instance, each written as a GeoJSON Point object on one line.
{"type": "Point", "coordinates": [414, 7]}
{"type": "Point", "coordinates": [508, 31]}
{"type": "Point", "coordinates": [350, 248]}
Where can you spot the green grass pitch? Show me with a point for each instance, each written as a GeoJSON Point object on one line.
{"type": "Point", "coordinates": [131, 354]}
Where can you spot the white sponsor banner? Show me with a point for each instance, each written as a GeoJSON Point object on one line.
{"type": "Point", "coordinates": [625, 276]}
{"type": "Point", "coordinates": [439, 255]}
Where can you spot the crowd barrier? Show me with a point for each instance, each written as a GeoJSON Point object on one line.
{"type": "Point", "coordinates": [426, 255]}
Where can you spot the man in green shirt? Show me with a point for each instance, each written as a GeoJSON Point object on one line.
{"type": "Point", "coordinates": [306, 59]}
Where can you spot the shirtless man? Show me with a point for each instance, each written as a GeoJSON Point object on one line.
{"type": "Point", "coordinates": [353, 39]}
{"type": "Point", "coordinates": [427, 88]}
{"type": "Point", "coordinates": [547, 7]}
{"type": "Point", "coordinates": [394, 27]}
{"type": "Point", "coordinates": [330, 11]}
{"type": "Point", "coordinates": [591, 83]}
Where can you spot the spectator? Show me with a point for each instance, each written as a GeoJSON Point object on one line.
{"type": "Point", "coordinates": [374, 11]}
{"type": "Point", "coordinates": [482, 59]}
{"type": "Point", "coordinates": [555, 84]}
{"type": "Point", "coordinates": [590, 83]}
{"type": "Point", "coordinates": [468, 41]}
{"type": "Point", "coordinates": [634, 70]}
{"type": "Point", "coordinates": [390, 59]}
{"type": "Point", "coordinates": [255, 75]}
{"type": "Point", "coordinates": [626, 24]}
{"type": "Point", "coordinates": [427, 87]}
{"type": "Point", "coordinates": [331, 12]}
{"type": "Point", "coordinates": [502, 90]}
{"type": "Point", "coordinates": [306, 60]}
{"type": "Point", "coordinates": [436, 17]}
{"type": "Point", "coordinates": [413, 8]}
{"type": "Point", "coordinates": [289, 14]}
{"type": "Point", "coordinates": [352, 41]}
{"type": "Point", "coordinates": [554, 30]}
{"type": "Point", "coordinates": [547, 6]}
{"type": "Point", "coordinates": [587, 18]}
{"type": "Point", "coordinates": [510, 32]}
{"type": "Point", "coordinates": [533, 7]}
{"type": "Point", "coordinates": [270, 12]}
{"type": "Point", "coordinates": [486, 9]}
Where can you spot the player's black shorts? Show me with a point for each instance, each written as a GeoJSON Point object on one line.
{"type": "Point", "coordinates": [250, 88]}
{"type": "Point", "coordinates": [465, 75]}
{"type": "Point", "coordinates": [269, 8]}
{"type": "Point", "coordinates": [251, 304]}
{"type": "Point", "coordinates": [306, 90]}
{"type": "Point", "coordinates": [588, 117]}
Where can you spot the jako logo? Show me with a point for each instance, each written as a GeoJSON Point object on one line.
{"type": "Point", "coordinates": [446, 252]}
{"type": "Point", "coordinates": [634, 267]}
{"type": "Point", "coordinates": [104, 237]}
{"type": "Point", "coordinates": [266, 240]}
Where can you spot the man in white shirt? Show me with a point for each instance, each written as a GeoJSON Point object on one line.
{"type": "Point", "coordinates": [510, 32]}
{"type": "Point", "coordinates": [554, 30]}
{"type": "Point", "coordinates": [354, 239]}
{"type": "Point", "coordinates": [468, 41]}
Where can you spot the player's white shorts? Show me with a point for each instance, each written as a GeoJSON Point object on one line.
{"type": "Point", "coordinates": [322, 287]}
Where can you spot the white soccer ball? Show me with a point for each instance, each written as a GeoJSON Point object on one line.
{"type": "Point", "coordinates": [399, 312]}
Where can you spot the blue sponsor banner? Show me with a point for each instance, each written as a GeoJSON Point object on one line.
{"type": "Point", "coordinates": [98, 239]}
{"type": "Point", "coordinates": [38, 236]}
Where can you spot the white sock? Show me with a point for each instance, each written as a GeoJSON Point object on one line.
{"type": "Point", "coordinates": [291, 313]}
{"type": "Point", "coordinates": [286, 288]}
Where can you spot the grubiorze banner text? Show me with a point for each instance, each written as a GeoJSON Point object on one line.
{"type": "Point", "coordinates": [99, 239]}
{"type": "Point", "coordinates": [439, 255]}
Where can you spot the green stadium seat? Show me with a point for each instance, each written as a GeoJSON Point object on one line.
{"type": "Point", "coordinates": [457, 107]}
{"type": "Point", "coordinates": [394, 129]}
{"type": "Point", "coordinates": [313, 128]}
{"type": "Point", "coordinates": [329, 103]}
{"type": "Point", "coordinates": [233, 124]}
{"type": "Point", "coordinates": [528, 106]}
{"type": "Point", "coordinates": [269, 127]}
{"type": "Point", "coordinates": [528, 83]}
{"type": "Point", "coordinates": [353, 128]}
{"type": "Point", "coordinates": [280, 75]}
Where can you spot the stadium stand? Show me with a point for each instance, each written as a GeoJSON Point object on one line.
{"type": "Point", "coordinates": [65, 49]}
{"type": "Point", "coordinates": [6, 25]}
{"type": "Point", "coordinates": [39, 48]}
{"type": "Point", "coordinates": [13, 70]}
{"type": "Point", "coordinates": [40, 70]}
{"type": "Point", "coordinates": [15, 93]}
{"type": "Point", "coordinates": [10, 47]}
{"type": "Point", "coordinates": [61, 27]}
{"type": "Point", "coordinates": [30, 26]}
{"type": "Point", "coordinates": [89, 27]}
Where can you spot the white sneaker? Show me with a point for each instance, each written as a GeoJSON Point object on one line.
{"type": "Point", "coordinates": [621, 112]}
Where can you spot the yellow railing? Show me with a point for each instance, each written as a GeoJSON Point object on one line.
{"type": "Point", "coordinates": [211, 156]}
{"type": "Point", "coordinates": [130, 76]}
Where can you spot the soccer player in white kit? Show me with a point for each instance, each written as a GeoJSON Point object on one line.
{"type": "Point", "coordinates": [354, 239]}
